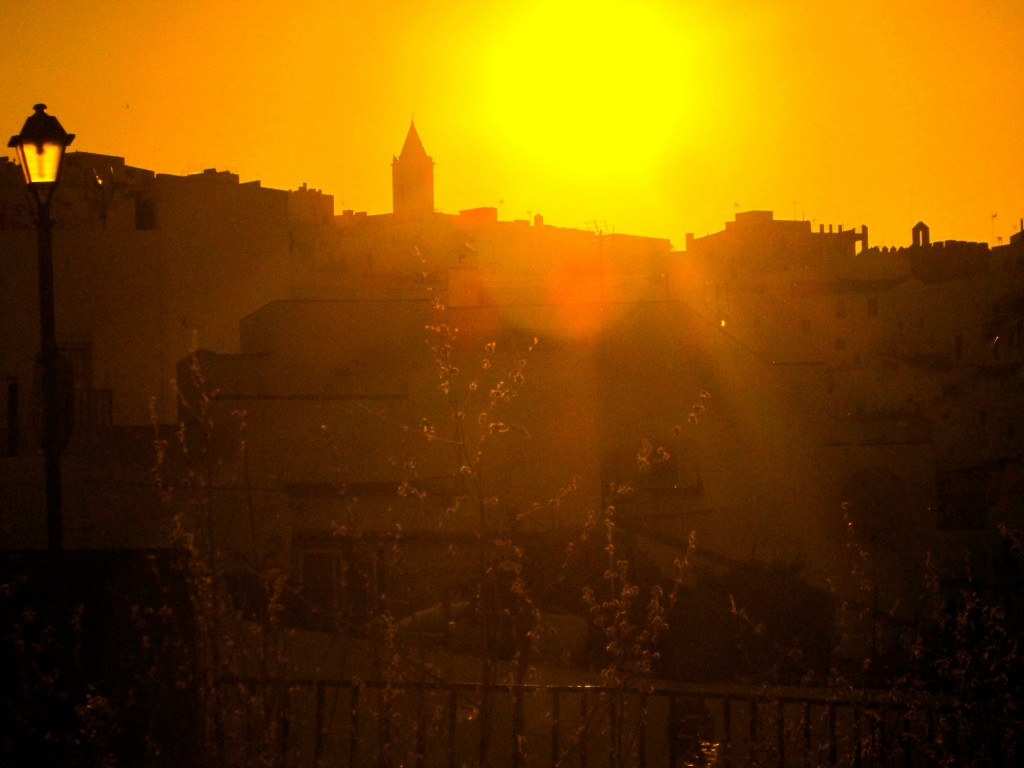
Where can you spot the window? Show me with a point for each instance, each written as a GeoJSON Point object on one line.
{"type": "Point", "coordinates": [342, 583]}
{"type": "Point", "coordinates": [79, 358]}
{"type": "Point", "coordinates": [145, 214]}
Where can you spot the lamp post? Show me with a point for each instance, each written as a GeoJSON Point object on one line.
{"type": "Point", "coordinates": [40, 147]}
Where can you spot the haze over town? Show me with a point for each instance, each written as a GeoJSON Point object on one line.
{"type": "Point", "coordinates": [493, 384]}
{"type": "Point", "coordinates": [651, 118]}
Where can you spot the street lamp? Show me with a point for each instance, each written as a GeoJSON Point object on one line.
{"type": "Point", "coordinates": [40, 147]}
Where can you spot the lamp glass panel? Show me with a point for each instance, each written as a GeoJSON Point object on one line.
{"type": "Point", "coordinates": [40, 163]}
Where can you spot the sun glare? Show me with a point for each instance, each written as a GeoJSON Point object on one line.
{"type": "Point", "coordinates": [597, 88]}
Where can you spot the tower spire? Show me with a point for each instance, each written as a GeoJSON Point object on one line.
{"type": "Point", "coordinates": [412, 177]}
{"type": "Point", "coordinates": [413, 147]}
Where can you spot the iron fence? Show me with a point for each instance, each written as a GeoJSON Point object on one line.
{"type": "Point", "coordinates": [316, 722]}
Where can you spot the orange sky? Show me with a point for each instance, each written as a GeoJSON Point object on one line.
{"type": "Point", "coordinates": [654, 118]}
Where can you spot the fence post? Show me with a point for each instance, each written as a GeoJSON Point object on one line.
{"type": "Point", "coordinates": [614, 731]}
{"type": "Point", "coordinates": [641, 736]}
{"type": "Point", "coordinates": [832, 746]}
{"type": "Point", "coordinates": [780, 732]}
{"type": "Point", "coordinates": [752, 731]}
{"type": "Point", "coordinates": [453, 713]}
{"type": "Point", "coordinates": [421, 727]}
{"type": "Point", "coordinates": [286, 727]}
{"type": "Point", "coordinates": [673, 714]}
{"type": "Point", "coordinates": [727, 735]}
{"type": "Point", "coordinates": [807, 732]}
{"type": "Point", "coordinates": [353, 731]}
{"type": "Point", "coordinates": [518, 726]}
{"type": "Point", "coordinates": [584, 716]}
{"type": "Point", "coordinates": [857, 744]}
{"type": "Point", "coordinates": [555, 729]}
{"type": "Point", "coordinates": [318, 744]}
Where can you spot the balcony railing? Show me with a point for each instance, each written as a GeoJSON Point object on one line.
{"type": "Point", "coordinates": [93, 409]}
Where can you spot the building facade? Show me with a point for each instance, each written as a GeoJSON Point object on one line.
{"type": "Point", "coordinates": [343, 385]}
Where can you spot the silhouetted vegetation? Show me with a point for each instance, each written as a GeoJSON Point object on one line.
{"type": "Point", "coordinates": [98, 677]}
{"type": "Point", "coordinates": [96, 649]}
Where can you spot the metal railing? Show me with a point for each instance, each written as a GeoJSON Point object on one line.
{"type": "Point", "coordinates": [93, 409]}
{"type": "Point", "coordinates": [355, 723]}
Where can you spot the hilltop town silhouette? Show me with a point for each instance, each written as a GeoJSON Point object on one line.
{"type": "Point", "coordinates": [783, 397]}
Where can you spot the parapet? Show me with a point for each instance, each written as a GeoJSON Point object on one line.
{"type": "Point", "coordinates": [478, 216]}
{"type": "Point", "coordinates": [749, 216]}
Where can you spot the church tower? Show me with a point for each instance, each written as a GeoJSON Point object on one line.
{"type": "Point", "coordinates": [412, 177]}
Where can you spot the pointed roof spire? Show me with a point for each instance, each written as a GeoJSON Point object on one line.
{"type": "Point", "coordinates": [412, 177]}
{"type": "Point", "coordinates": [413, 146]}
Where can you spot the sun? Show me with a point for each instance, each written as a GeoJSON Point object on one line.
{"type": "Point", "coordinates": [594, 88]}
